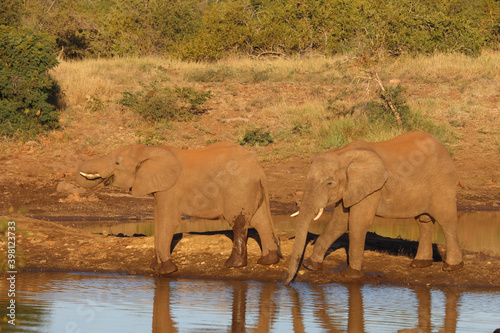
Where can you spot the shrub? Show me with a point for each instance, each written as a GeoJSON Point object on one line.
{"type": "Point", "coordinates": [279, 27]}
{"type": "Point", "coordinates": [155, 103]}
{"type": "Point", "coordinates": [381, 115]}
{"type": "Point", "coordinates": [224, 30]}
{"type": "Point", "coordinates": [256, 136]}
{"type": "Point", "coordinates": [25, 85]}
{"type": "Point", "coordinates": [376, 121]}
{"type": "Point", "coordinates": [10, 12]}
{"type": "Point", "coordinates": [211, 30]}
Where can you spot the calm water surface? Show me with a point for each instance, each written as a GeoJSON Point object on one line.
{"type": "Point", "coordinates": [61, 302]}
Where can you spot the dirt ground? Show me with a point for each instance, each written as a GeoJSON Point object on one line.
{"type": "Point", "coordinates": [37, 185]}
{"type": "Point", "coordinates": [48, 246]}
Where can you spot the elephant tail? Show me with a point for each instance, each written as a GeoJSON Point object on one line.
{"type": "Point", "coordinates": [265, 204]}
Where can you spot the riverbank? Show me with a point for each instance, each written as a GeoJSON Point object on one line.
{"type": "Point", "coordinates": [48, 246]}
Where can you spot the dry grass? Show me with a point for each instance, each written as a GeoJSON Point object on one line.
{"type": "Point", "coordinates": [292, 98]}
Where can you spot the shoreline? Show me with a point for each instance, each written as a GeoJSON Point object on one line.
{"type": "Point", "coordinates": [202, 255]}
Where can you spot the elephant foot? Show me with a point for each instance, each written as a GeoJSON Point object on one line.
{"type": "Point", "coordinates": [271, 258]}
{"type": "Point", "coordinates": [448, 268]}
{"type": "Point", "coordinates": [353, 274]}
{"type": "Point", "coordinates": [236, 261]}
{"type": "Point", "coordinates": [155, 265]}
{"type": "Point", "coordinates": [167, 267]}
{"type": "Point", "coordinates": [421, 263]}
{"type": "Point", "coordinates": [312, 265]}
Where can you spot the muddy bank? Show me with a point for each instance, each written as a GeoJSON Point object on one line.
{"type": "Point", "coordinates": [48, 246]}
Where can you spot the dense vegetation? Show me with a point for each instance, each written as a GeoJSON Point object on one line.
{"type": "Point", "coordinates": [27, 92]}
{"type": "Point", "coordinates": [208, 29]}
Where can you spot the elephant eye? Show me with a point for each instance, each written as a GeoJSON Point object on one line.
{"type": "Point", "coordinates": [330, 183]}
{"type": "Point", "coordinates": [117, 163]}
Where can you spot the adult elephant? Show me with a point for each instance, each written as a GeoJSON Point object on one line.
{"type": "Point", "coordinates": [411, 175]}
{"type": "Point", "coordinates": [221, 181]}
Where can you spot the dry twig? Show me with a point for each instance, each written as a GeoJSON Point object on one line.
{"type": "Point", "coordinates": [389, 103]}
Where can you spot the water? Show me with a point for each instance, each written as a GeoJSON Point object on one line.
{"type": "Point", "coordinates": [63, 302]}
{"type": "Point", "coordinates": [477, 231]}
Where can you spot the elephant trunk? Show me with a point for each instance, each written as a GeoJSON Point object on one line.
{"type": "Point", "coordinates": [91, 174]}
{"type": "Point", "coordinates": [305, 218]}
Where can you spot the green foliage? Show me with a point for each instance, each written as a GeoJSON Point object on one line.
{"type": "Point", "coordinates": [381, 114]}
{"type": "Point", "coordinates": [26, 89]}
{"type": "Point", "coordinates": [175, 22]}
{"type": "Point", "coordinates": [156, 103]}
{"type": "Point", "coordinates": [427, 27]}
{"type": "Point", "coordinates": [301, 127]}
{"type": "Point", "coordinates": [263, 27]}
{"type": "Point", "coordinates": [211, 30]}
{"type": "Point", "coordinates": [94, 103]}
{"type": "Point", "coordinates": [10, 12]}
{"type": "Point", "coordinates": [256, 136]}
{"type": "Point", "coordinates": [375, 121]}
{"type": "Point", "coordinates": [224, 30]}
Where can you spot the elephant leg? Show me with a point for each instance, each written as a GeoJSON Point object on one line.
{"type": "Point", "coordinates": [424, 252]}
{"type": "Point", "coordinates": [335, 228]}
{"type": "Point", "coordinates": [361, 216]}
{"type": "Point", "coordinates": [447, 220]}
{"type": "Point", "coordinates": [166, 223]}
{"type": "Point", "coordinates": [238, 256]}
{"type": "Point", "coordinates": [263, 223]}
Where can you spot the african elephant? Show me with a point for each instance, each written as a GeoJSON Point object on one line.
{"type": "Point", "coordinates": [411, 175]}
{"type": "Point", "coordinates": [221, 181]}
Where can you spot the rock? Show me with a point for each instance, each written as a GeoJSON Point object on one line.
{"type": "Point", "coordinates": [65, 187]}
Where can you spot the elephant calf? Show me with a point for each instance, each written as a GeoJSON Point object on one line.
{"type": "Point", "coordinates": [221, 181]}
{"type": "Point", "coordinates": [411, 175]}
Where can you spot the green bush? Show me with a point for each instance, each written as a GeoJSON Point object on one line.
{"type": "Point", "coordinates": [224, 30]}
{"type": "Point", "coordinates": [382, 116]}
{"type": "Point", "coordinates": [155, 103]}
{"type": "Point", "coordinates": [281, 27]}
{"type": "Point", "coordinates": [26, 88]}
{"type": "Point", "coordinates": [376, 121]}
{"type": "Point", "coordinates": [256, 136]}
{"type": "Point", "coordinates": [211, 30]}
{"type": "Point", "coordinates": [10, 12]}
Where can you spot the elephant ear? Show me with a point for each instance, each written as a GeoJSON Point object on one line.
{"type": "Point", "coordinates": [366, 173]}
{"type": "Point", "coordinates": [157, 170]}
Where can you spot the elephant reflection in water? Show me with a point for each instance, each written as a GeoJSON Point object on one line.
{"type": "Point", "coordinates": [355, 319]}
{"type": "Point", "coordinates": [271, 296]}
{"type": "Point", "coordinates": [424, 310]}
{"type": "Point", "coordinates": [162, 317]}
{"type": "Point", "coordinates": [269, 301]}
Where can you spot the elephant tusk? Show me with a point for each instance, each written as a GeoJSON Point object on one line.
{"type": "Point", "coordinates": [295, 214]}
{"type": "Point", "coordinates": [90, 176]}
{"type": "Point", "coordinates": [319, 214]}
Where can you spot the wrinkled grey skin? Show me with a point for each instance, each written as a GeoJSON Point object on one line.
{"type": "Point", "coordinates": [222, 181]}
{"type": "Point", "coordinates": [411, 175]}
